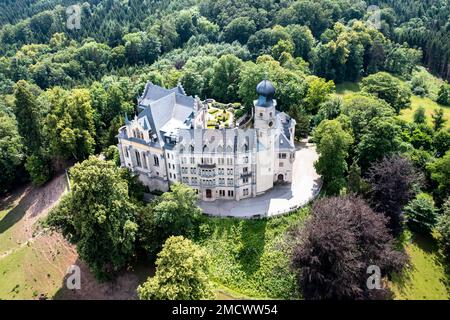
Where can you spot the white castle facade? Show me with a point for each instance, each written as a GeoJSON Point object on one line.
{"type": "Point", "coordinates": [171, 140]}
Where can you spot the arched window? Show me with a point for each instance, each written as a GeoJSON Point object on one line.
{"type": "Point", "coordinates": [191, 149]}
{"type": "Point", "coordinates": [205, 148]}
{"type": "Point", "coordinates": [219, 149]}
{"type": "Point", "coordinates": [229, 149]}
{"type": "Point", "coordinates": [181, 149]}
{"type": "Point", "coordinates": [245, 148]}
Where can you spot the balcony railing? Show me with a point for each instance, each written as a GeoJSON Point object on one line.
{"type": "Point", "coordinates": [207, 174]}
{"type": "Point", "coordinates": [246, 175]}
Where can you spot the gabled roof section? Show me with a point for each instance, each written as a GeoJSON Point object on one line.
{"type": "Point", "coordinates": [166, 109]}
{"type": "Point", "coordinates": [284, 143]}
{"type": "Point", "coordinates": [153, 93]}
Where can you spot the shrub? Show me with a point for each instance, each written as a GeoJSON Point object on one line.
{"type": "Point", "coordinates": [421, 213]}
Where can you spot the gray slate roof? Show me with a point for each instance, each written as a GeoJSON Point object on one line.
{"type": "Point", "coordinates": [165, 109]}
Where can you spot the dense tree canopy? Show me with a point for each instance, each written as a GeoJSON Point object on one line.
{"type": "Point", "coordinates": [11, 152]}
{"type": "Point", "coordinates": [388, 88]}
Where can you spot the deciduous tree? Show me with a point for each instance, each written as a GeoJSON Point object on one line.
{"type": "Point", "coordinates": [181, 273]}
{"type": "Point", "coordinates": [332, 144]}
{"type": "Point", "coordinates": [98, 216]}
{"type": "Point", "coordinates": [333, 251]}
{"type": "Point", "coordinates": [388, 88]}
{"type": "Point", "coordinates": [393, 182]}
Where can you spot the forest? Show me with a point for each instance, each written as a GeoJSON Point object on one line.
{"type": "Point", "coordinates": [64, 93]}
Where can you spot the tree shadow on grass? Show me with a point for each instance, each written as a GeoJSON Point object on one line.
{"type": "Point", "coordinates": [122, 287]}
{"type": "Point", "coordinates": [253, 240]}
{"type": "Point", "coordinates": [17, 212]}
{"type": "Point", "coordinates": [429, 245]}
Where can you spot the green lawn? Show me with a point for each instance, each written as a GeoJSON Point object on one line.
{"type": "Point", "coordinates": [426, 277]}
{"type": "Point", "coordinates": [429, 105]}
{"type": "Point", "coordinates": [249, 258]}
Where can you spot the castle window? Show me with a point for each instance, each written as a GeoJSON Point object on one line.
{"type": "Point", "coordinates": [205, 148]}
{"type": "Point", "coordinates": [156, 161]}
{"type": "Point", "coordinates": [230, 193]}
{"type": "Point", "coordinates": [191, 149]}
{"type": "Point", "coordinates": [138, 158]}
{"type": "Point", "coordinates": [145, 160]}
{"type": "Point", "coordinates": [261, 114]}
{"type": "Point", "coordinates": [245, 192]}
{"type": "Point", "coordinates": [245, 180]}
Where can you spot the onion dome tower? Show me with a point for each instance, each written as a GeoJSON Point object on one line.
{"type": "Point", "coordinates": [265, 105]}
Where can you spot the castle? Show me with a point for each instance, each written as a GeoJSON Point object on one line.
{"type": "Point", "coordinates": [172, 140]}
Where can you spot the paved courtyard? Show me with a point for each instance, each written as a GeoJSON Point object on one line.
{"type": "Point", "coordinates": [282, 198]}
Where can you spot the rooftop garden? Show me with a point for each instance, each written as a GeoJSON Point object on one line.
{"type": "Point", "coordinates": [223, 115]}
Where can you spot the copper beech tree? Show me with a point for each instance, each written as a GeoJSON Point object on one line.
{"type": "Point", "coordinates": [333, 251]}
